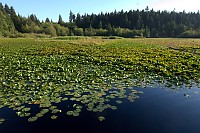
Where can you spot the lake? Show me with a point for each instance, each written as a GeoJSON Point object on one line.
{"type": "Point", "coordinates": [158, 110]}
{"type": "Point", "coordinates": [98, 85]}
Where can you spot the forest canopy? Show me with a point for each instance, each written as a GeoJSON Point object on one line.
{"type": "Point", "coordinates": [133, 23]}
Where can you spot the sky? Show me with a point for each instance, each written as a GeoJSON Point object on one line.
{"type": "Point", "coordinates": [53, 8]}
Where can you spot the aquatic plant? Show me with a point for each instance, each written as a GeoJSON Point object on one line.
{"type": "Point", "coordinates": [54, 117]}
{"type": "Point", "coordinates": [46, 73]}
{"type": "Point", "coordinates": [101, 118]}
{"type": "Point", "coordinates": [1, 120]}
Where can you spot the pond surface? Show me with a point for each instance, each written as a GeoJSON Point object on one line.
{"type": "Point", "coordinates": [61, 86]}
{"type": "Point", "coordinates": [156, 111]}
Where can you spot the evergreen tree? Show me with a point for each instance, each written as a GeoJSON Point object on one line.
{"type": "Point", "coordinates": [7, 9]}
{"type": "Point", "coordinates": [78, 20]}
{"type": "Point", "coordinates": [146, 22]}
{"type": "Point", "coordinates": [1, 7]}
{"type": "Point", "coordinates": [6, 25]}
{"type": "Point", "coordinates": [100, 25]}
{"type": "Point", "coordinates": [15, 19]}
{"type": "Point", "coordinates": [47, 20]}
{"type": "Point", "coordinates": [60, 20]}
{"type": "Point", "coordinates": [71, 17]}
{"type": "Point", "coordinates": [109, 28]}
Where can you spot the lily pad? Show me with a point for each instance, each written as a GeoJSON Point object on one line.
{"type": "Point", "coordinates": [65, 99]}
{"type": "Point", "coordinates": [75, 113]}
{"type": "Point", "coordinates": [54, 117]}
{"type": "Point", "coordinates": [52, 107]}
{"type": "Point", "coordinates": [69, 112]}
{"type": "Point", "coordinates": [113, 107]}
{"type": "Point", "coordinates": [32, 119]}
{"type": "Point", "coordinates": [78, 110]}
{"type": "Point", "coordinates": [26, 109]}
{"type": "Point", "coordinates": [44, 111]}
{"type": "Point", "coordinates": [54, 111]}
{"type": "Point", "coordinates": [39, 115]}
{"type": "Point", "coordinates": [119, 102]}
{"type": "Point", "coordinates": [101, 118]}
{"type": "Point", "coordinates": [1, 120]}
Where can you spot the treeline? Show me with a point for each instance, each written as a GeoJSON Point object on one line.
{"type": "Point", "coordinates": [134, 23]}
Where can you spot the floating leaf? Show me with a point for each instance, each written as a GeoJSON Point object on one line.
{"type": "Point", "coordinates": [69, 112]}
{"type": "Point", "coordinates": [1, 120]}
{"type": "Point", "coordinates": [32, 119]}
{"type": "Point", "coordinates": [65, 99]}
{"type": "Point", "coordinates": [54, 117]}
{"type": "Point", "coordinates": [119, 102]}
{"type": "Point", "coordinates": [44, 111]}
{"type": "Point", "coordinates": [26, 109]}
{"type": "Point", "coordinates": [39, 114]}
{"type": "Point", "coordinates": [56, 111]}
{"type": "Point", "coordinates": [52, 107]}
{"type": "Point", "coordinates": [101, 118]}
{"type": "Point", "coordinates": [75, 113]}
{"type": "Point", "coordinates": [140, 92]}
{"type": "Point", "coordinates": [113, 107]}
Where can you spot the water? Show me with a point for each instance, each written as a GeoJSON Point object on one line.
{"type": "Point", "coordinates": [156, 111]}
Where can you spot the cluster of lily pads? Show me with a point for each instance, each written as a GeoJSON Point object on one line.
{"type": "Point", "coordinates": [90, 76]}
{"type": "Point", "coordinates": [45, 81]}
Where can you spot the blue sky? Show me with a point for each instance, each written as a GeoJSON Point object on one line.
{"type": "Point", "coordinates": [52, 8]}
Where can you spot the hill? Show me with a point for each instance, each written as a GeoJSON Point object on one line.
{"type": "Point", "coordinates": [144, 23]}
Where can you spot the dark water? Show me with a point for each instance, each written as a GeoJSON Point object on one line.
{"type": "Point", "coordinates": [156, 111]}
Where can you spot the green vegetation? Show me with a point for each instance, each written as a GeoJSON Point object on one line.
{"type": "Point", "coordinates": [1, 120]}
{"type": "Point", "coordinates": [54, 117]}
{"type": "Point", "coordinates": [6, 24]}
{"type": "Point", "coordinates": [90, 72]}
{"type": "Point", "coordinates": [134, 23]}
{"type": "Point", "coordinates": [101, 118]}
